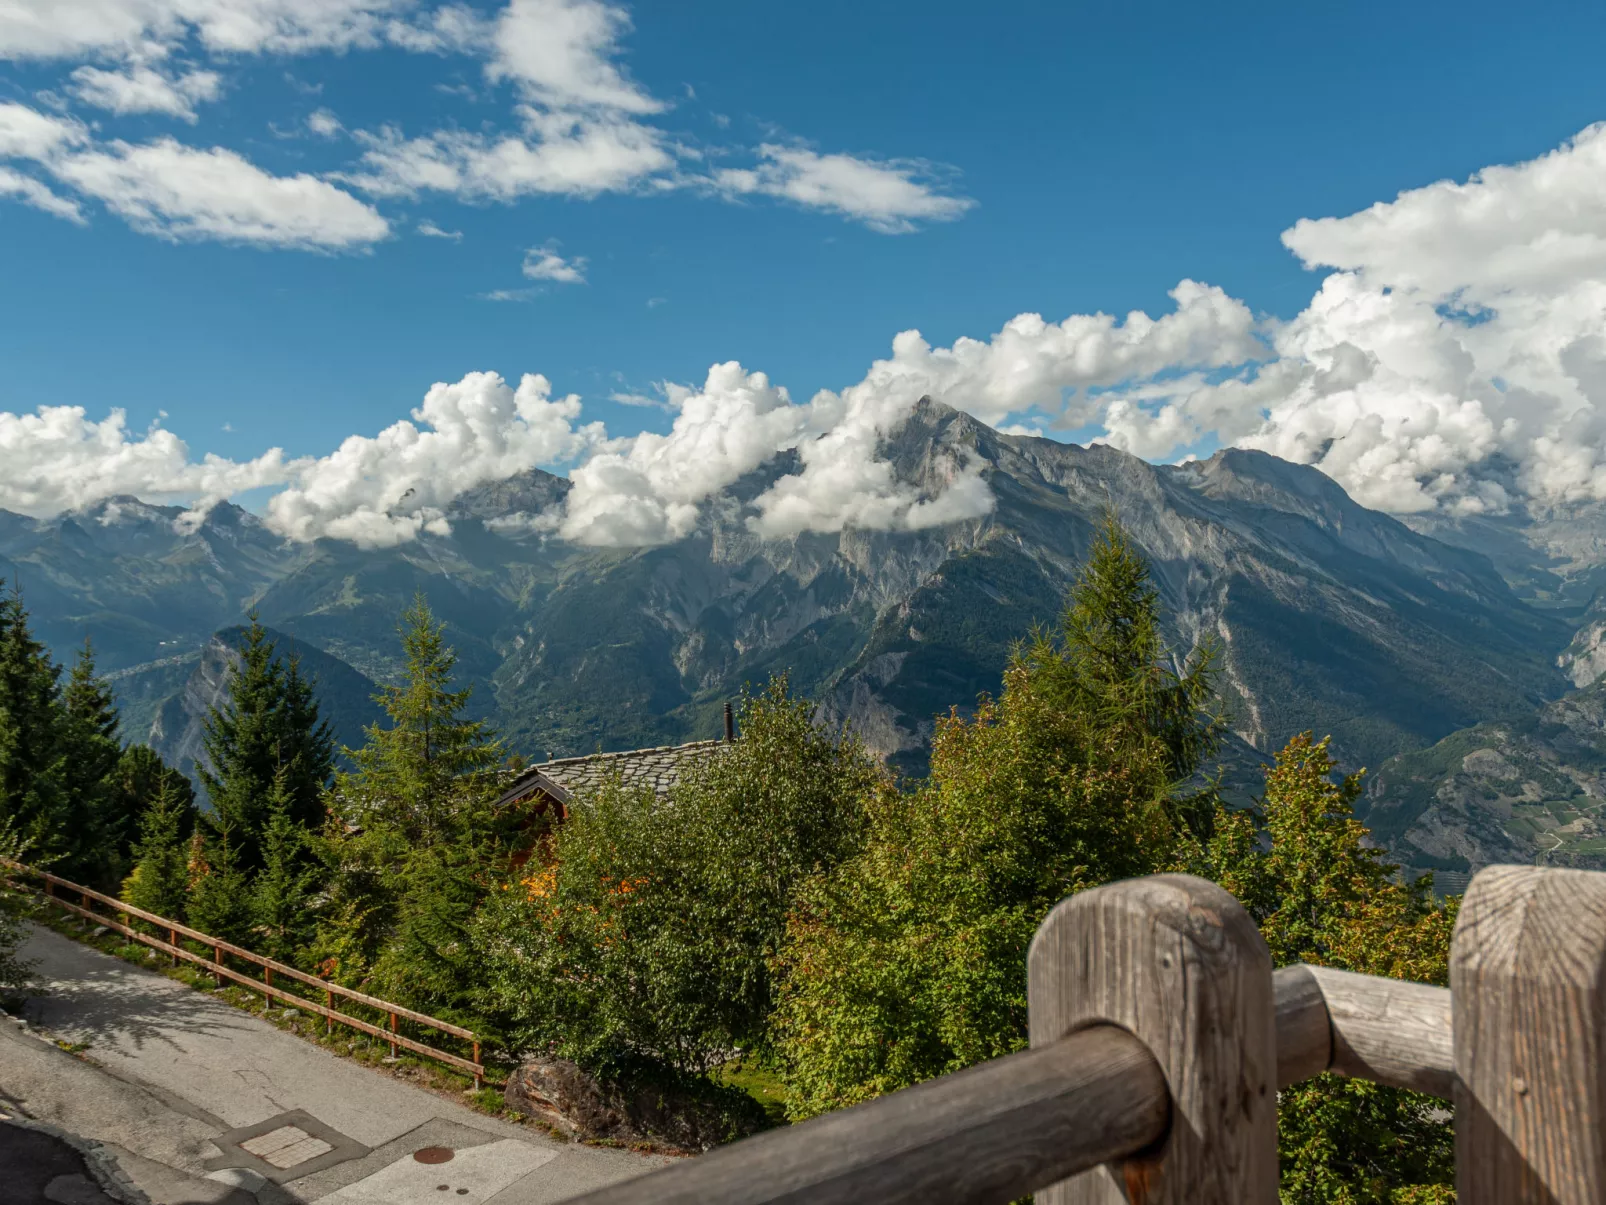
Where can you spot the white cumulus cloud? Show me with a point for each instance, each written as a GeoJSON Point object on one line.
{"type": "Point", "coordinates": [1454, 357]}
{"type": "Point", "coordinates": [144, 89]}
{"type": "Point", "coordinates": [57, 458]}
{"type": "Point", "coordinates": [29, 134]}
{"type": "Point", "coordinates": [559, 154]}
{"type": "Point", "coordinates": [561, 55]}
{"type": "Point", "coordinates": [180, 192]}
{"type": "Point", "coordinates": [77, 28]}
{"type": "Point", "coordinates": [1455, 360]}
{"type": "Point", "coordinates": [386, 489]}
{"type": "Point", "coordinates": [648, 489]}
{"type": "Point", "coordinates": [31, 192]}
{"type": "Point", "coordinates": [323, 123]}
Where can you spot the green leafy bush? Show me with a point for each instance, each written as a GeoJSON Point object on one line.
{"type": "Point", "coordinates": [646, 930]}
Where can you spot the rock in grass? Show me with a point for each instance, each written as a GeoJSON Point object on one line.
{"type": "Point", "coordinates": [655, 1105]}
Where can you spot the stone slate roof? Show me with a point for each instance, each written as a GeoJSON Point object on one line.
{"type": "Point", "coordinates": [658, 768]}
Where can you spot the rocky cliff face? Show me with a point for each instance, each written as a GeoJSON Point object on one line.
{"type": "Point", "coordinates": [1526, 790]}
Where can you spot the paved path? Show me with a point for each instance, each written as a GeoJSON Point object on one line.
{"type": "Point", "coordinates": [179, 1083]}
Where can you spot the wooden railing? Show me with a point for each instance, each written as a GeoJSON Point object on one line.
{"type": "Point", "coordinates": [1160, 1037]}
{"type": "Point", "coordinates": [49, 885]}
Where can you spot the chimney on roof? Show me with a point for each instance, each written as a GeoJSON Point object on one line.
{"type": "Point", "coordinates": [730, 724]}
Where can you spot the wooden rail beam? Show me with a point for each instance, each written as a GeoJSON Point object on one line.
{"type": "Point", "coordinates": [989, 1134]}
{"type": "Point", "coordinates": [223, 972]}
{"type": "Point", "coordinates": [215, 965]}
{"type": "Point", "coordinates": [1385, 1030]}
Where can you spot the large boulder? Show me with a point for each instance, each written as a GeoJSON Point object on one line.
{"type": "Point", "coordinates": [656, 1110]}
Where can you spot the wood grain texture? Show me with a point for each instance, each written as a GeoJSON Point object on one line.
{"type": "Point", "coordinates": [1304, 1035]}
{"type": "Point", "coordinates": [1526, 977]}
{"type": "Point", "coordinates": [1389, 1031]}
{"type": "Point", "coordinates": [1177, 962]}
{"type": "Point", "coordinates": [989, 1134]}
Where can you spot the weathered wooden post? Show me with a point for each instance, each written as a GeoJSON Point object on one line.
{"type": "Point", "coordinates": [1528, 991]}
{"type": "Point", "coordinates": [1176, 961]}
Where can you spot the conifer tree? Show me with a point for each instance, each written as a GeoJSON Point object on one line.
{"type": "Point", "coordinates": [269, 721]}
{"type": "Point", "coordinates": [15, 972]}
{"type": "Point", "coordinates": [138, 778]}
{"type": "Point", "coordinates": [159, 882]}
{"type": "Point", "coordinates": [909, 959]}
{"type": "Point", "coordinates": [414, 837]}
{"type": "Point", "coordinates": [419, 773]}
{"type": "Point", "coordinates": [33, 793]}
{"type": "Point", "coordinates": [91, 750]}
{"type": "Point", "coordinates": [283, 888]}
{"type": "Point", "coordinates": [219, 902]}
{"type": "Point", "coordinates": [1109, 663]}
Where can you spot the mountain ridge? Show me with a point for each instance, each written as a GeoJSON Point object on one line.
{"type": "Point", "coordinates": [1330, 616]}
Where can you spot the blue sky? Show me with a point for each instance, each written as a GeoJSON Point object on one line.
{"type": "Point", "coordinates": [1049, 158]}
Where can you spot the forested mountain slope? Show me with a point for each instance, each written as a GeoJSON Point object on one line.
{"type": "Point", "coordinates": [1330, 616]}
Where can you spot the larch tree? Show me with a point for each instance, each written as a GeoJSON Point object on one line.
{"type": "Point", "coordinates": [909, 960]}
{"type": "Point", "coordinates": [413, 842]}
{"type": "Point", "coordinates": [1301, 865]}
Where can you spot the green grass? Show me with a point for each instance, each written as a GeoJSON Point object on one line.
{"type": "Point", "coordinates": [759, 1082]}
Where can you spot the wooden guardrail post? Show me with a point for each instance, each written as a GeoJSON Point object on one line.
{"type": "Point", "coordinates": [1528, 990]}
{"type": "Point", "coordinates": [1176, 961]}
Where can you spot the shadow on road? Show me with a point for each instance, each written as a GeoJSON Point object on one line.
{"type": "Point", "coordinates": [93, 998]}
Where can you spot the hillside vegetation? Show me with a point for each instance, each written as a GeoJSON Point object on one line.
{"type": "Point", "coordinates": [792, 906]}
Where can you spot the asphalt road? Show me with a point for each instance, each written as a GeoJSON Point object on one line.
{"type": "Point", "coordinates": [196, 1101]}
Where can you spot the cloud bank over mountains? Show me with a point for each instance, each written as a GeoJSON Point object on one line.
{"type": "Point", "coordinates": [575, 124]}
{"type": "Point", "coordinates": [1453, 357]}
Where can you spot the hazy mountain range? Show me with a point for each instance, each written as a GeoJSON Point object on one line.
{"type": "Point", "coordinates": [1389, 635]}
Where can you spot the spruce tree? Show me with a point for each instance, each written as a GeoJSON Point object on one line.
{"type": "Point", "coordinates": [219, 902]}
{"type": "Point", "coordinates": [159, 882]}
{"type": "Point", "coordinates": [91, 751]}
{"type": "Point", "coordinates": [34, 796]}
{"type": "Point", "coordinates": [282, 890]}
{"type": "Point", "coordinates": [138, 778]}
{"type": "Point", "coordinates": [269, 721]}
